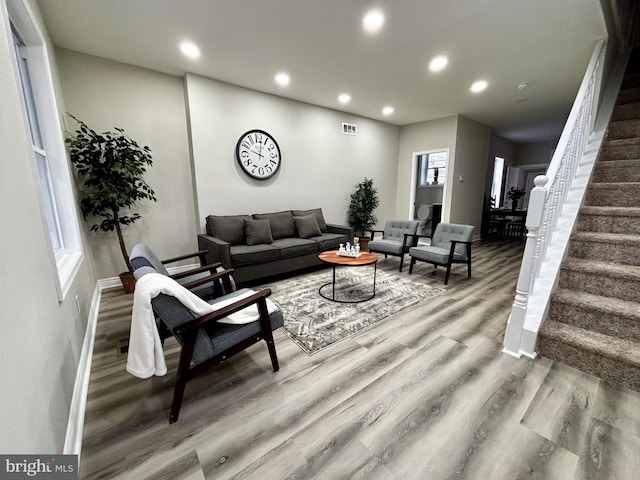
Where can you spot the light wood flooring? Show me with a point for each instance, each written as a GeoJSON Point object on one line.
{"type": "Point", "coordinates": [426, 394]}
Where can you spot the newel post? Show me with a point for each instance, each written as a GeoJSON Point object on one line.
{"type": "Point", "coordinates": [515, 325]}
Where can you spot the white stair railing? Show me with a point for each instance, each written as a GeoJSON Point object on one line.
{"type": "Point", "coordinates": [539, 269]}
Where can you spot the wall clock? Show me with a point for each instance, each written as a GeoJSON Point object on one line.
{"type": "Point", "coordinates": [258, 154]}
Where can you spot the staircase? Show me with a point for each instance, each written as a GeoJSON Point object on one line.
{"type": "Point", "coordinates": [594, 314]}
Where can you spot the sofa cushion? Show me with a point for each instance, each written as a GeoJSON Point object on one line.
{"type": "Point", "coordinates": [317, 212]}
{"type": "Point", "coordinates": [248, 254]}
{"type": "Point", "coordinates": [329, 241]}
{"type": "Point", "coordinates": [295, 247]}
{"type": "Point", "coordinates": [229, 228]}
{"type": "Point", "coordinates": [307, 226]}
{"type": "Point", "coordinates": [257, 231]}
{"type": "Point", "coordinates": [282, 225]}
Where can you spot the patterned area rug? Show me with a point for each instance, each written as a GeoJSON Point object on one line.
{"type": "Point", "coordinates": [315, 323]}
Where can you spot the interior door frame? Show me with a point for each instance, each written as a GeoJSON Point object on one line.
{"type": "Point", "coordinates": [414, 178]}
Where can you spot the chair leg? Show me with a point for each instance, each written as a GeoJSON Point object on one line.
{"type": "Point", "coordinates": [271, 346]}
{"type": "Point", "coordinates": [401, 261]}
{"type": "Point", "coordinates": [446, 275]}
{"type": "Point", "coordinates": [469, 260]}
{"type": "Point", "coordinates": [183, 375]}
{"type": "Point", "coordinates": [411, 264]}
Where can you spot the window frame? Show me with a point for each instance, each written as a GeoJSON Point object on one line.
{"type": "Point", "coordinates": [53, 182]}
{"type": "Point", "coordinates": [423, 173]}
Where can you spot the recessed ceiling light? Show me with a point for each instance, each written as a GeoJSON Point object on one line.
{"type": "Point", "coordinates": [372, 21]}
{"type": "Point", "coordinates": [282, 79]}
{"type": "Point", "coordinates": [388, 110]}
{"type": "Point", "coordinates": [438, 63]}
{"type": "Point", "coordinates": [344, 98]}
{"type": "Point", "coordinates": [190, 50]}
{"type": "Point", "coordinates": [479, 86]}
{"type": "Point", "coordinates": [522, 85]}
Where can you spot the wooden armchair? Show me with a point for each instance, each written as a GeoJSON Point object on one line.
{"type": "Point", "coordinates": [397, 237]}
{"type": "Point", "coordinates": [204, 341]}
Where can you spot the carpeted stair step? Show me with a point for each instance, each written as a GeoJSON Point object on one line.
{"type": "Point", "coordinates": [627, 111]}
{"type": "Point", "coordinates": [628, 95]}
{"type": "Point", "coordinates": [609, 220]}
{"type": "Point", "coordinates": [611, 316]}
{"type": "Point", "coordinates": [624, 149]}
{"type": "Point", "coordinates": [611, 358]}
{"type": "Point", "coordinates": [619, 171]}
{"type": "Point", "coordinates": [611, 247]}
{"type": "Point", "coordinates": [623, 129]}
{"type": "Point", "coordinates": [613, 194]}
{"type": "Point", "coordinates": [601, 278]}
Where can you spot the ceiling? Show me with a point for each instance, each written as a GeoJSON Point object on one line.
{"type": "Point", "coordinates": [321, 44]}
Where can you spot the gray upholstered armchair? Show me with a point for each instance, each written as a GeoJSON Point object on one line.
{"type": "Point", "coordinates": [205, 342]}
{"type": "Point", "coordinates": [397, 237]}
{"type": "Point", "coordinates": [451, 243]}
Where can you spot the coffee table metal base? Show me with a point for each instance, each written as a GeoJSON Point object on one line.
{"type": "Point", "coordinates": [333, 288]}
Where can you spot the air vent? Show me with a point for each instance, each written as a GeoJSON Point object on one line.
{"type": "Point", "coordinates": [349, 129]}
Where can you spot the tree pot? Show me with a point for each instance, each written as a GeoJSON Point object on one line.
{"type": "Point", "coordinates": [128, 281]}
{"type": "Point", "coordinates": [364, 244]}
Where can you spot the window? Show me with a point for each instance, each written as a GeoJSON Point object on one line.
{"type": "Point", "coordinates": [496, 185]}
{"type": "Point", "coordinates": [39, 152]}
{"type": "Point", "coordinates": [50, 166]}
{"type": "Point", "coordinates": [432, 168]}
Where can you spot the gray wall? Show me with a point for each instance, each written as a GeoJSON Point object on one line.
{"type": "Point", "coordinates": [420, 137]}
{"type": "Point", "coordinates": [534, 153]}
{"type": "Point", "coordinates": [40, 338]}
{"type": "Point", "coordinates": [150, 107]}
{"type": "Point", "coordinates": [319, 165]}
{"type": "Point", "coordinates": [472, 147]}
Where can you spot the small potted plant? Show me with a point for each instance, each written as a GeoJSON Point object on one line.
{"type": "Point", "coordinates": [514, 194]}
{"type": "Point", "coordinates": [364, 200]}
{"type": "Point", "coordinates": [109, 168]}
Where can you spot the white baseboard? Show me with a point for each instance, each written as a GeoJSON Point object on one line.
{"type": "Point", "coordinates": [75, 425]}
{"type": "Point", "coordinates": [114, 282]}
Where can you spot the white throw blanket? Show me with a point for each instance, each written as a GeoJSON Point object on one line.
{"type": "Point", "coordinates": [145, 356]}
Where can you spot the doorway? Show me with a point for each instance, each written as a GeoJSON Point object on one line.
{"type": "Point", "coordinates": [429, 178]}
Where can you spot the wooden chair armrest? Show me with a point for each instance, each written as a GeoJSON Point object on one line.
{"type": "Point", "coordinates": [223, 312]}
{"type": "Point", "coordinates": [199, 253]}
{"type": "Point", "coordinates": [223, 275]}
{"type": "Point", "coordinates": [211, 267]}
{"type": "Point", "coordinates": [373, 232]}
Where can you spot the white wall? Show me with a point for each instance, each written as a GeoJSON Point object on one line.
{"type": "Point", "coordinates": [150, 107]}
{"type": "Point", "coordinates": [40, 338]}
{"type": "Point", "coordinates": [472, 148]}
{"type": "Point", "coordinates": [319, 165]}
{"type": "Point", "coordinates": [420, 137]}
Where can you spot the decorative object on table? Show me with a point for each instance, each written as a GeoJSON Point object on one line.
{"type": "Point", "coordinates": [258, 154]}
{"type": "Point", "coordinates": [315, 323]}
{"type": "Point", "coordinates": [514, 194]}
{"type": "Point", "coordinates": [364, 200]}
{"type": "Point", "coordinates": [110, 168]}
{"type": "Point", "coordinates": [348, 250]}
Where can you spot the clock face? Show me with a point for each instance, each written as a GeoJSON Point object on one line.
{"type": "Point", "coordinates": [258, 154]}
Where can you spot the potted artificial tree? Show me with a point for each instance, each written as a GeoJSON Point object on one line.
{"type": "Point", "coordinates": [364, 200]}
{"type": "Point", "coordinates": [514, 194]}
{"type": "Point", "coordinates": [109, 168]}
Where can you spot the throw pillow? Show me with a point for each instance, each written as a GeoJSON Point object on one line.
{"type": "Point", "coordinates": [317, 212]}
{"type": "Point", "coordinates": [307, 226]}
{"type": "Point", "coordinates": [257, 231]}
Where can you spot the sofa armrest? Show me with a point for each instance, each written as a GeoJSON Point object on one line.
{"type": "Point", "coordinates": [218, 250]}
{"type": "Point", "coordinates": [341, 229]}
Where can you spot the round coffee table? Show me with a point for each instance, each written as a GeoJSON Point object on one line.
{"type": "Point", "coordinates": [331, 257]}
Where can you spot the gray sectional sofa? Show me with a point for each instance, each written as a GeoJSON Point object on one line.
{"type": "Point", "coordinates": [267, 244]}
